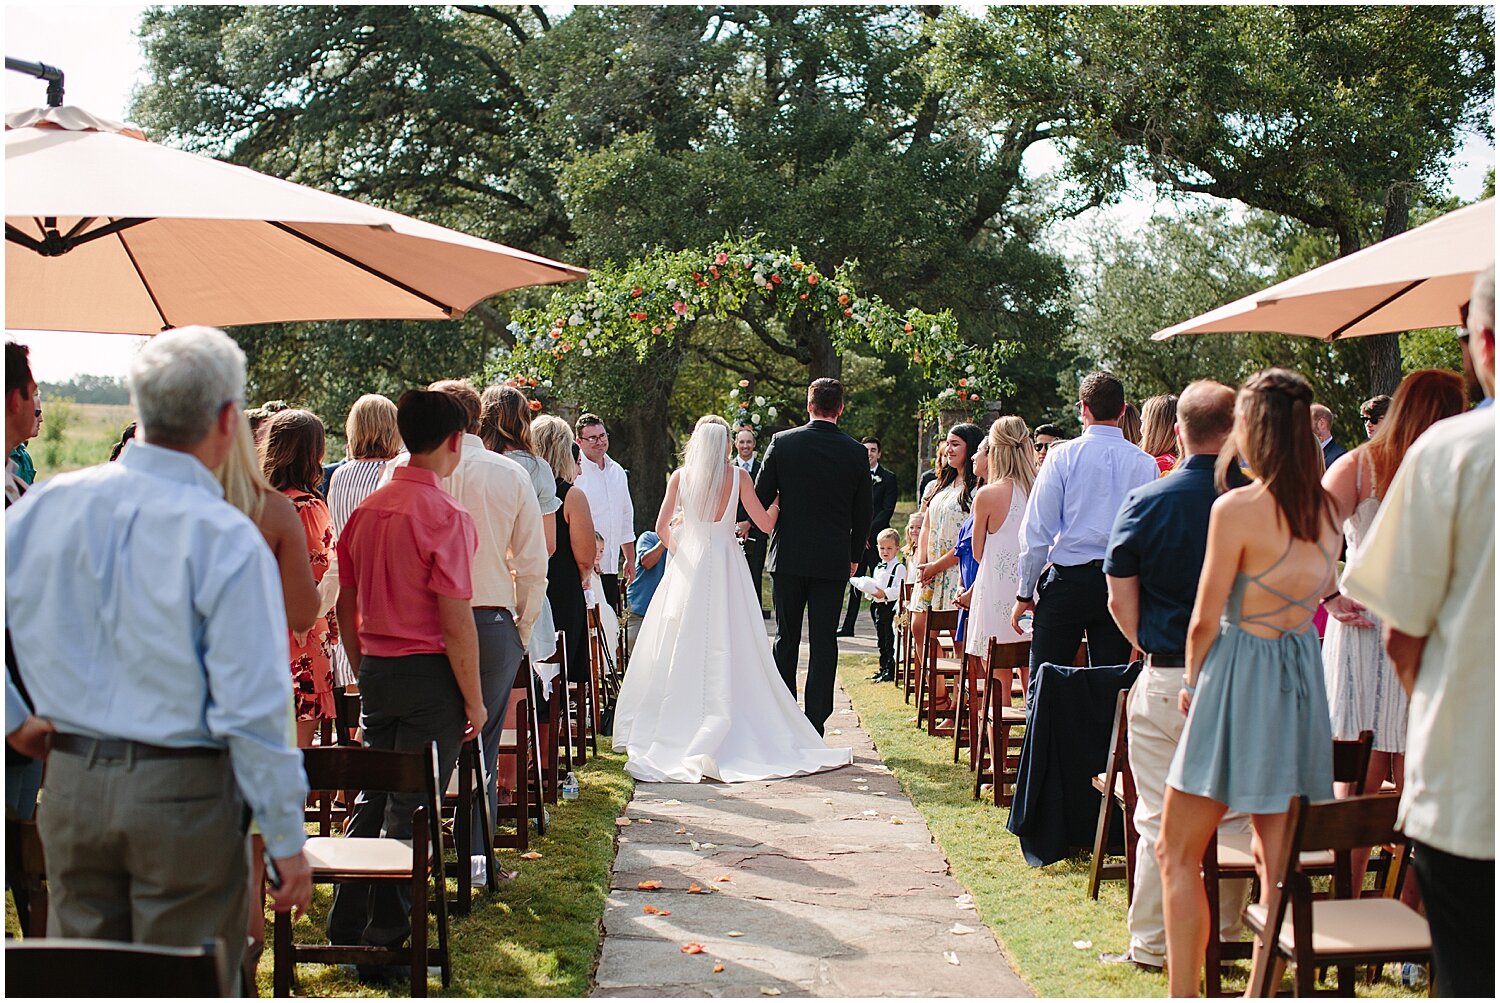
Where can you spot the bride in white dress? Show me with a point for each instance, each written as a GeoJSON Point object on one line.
{"type": "Point", "coordinates": [702, 697]}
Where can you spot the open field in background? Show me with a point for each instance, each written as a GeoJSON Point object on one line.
{"type": "Point", "coordinates": [75, 436]}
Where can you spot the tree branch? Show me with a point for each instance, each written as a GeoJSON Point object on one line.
{"type": "Point", "coordinates": [504, 17]}
{"type": "Point", "coordinates": [780, 348]}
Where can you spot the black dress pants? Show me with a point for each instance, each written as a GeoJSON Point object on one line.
{"type": "Point", "coordinates": [755, 556]}
{"type": "Point", "coordinates": [1461, 914]}
{"type": "Point", "coordinates": [819, 600]}
{"type": "Point", "coordinates": [1071, 602]}
{"type": "Point", "coordinates": [851, 615]}
{"type": "Point", "coordinates": [884, 615]}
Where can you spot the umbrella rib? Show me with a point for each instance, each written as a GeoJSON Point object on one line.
{"type": "Point", "coordinates": [155, 303]}
{"type": "Point", "coordinates": [445, 307]}
{"type": "Point", "coordinates": [1337, 332]}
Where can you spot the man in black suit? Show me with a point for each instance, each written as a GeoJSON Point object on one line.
{"type": "Point", "coordinates": [883, 490]}
{"type": "Point", "coordinates": [755, 540]}
{"type": "Point", "coordinates": [1322, 424]}
{"type": "Point", "coordinates": [823, 478]}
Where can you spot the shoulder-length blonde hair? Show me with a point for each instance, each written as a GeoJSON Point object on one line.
{"type": "Point", "coordinates": [1010, 452]}
{"type": "Point", "coordinates": [553, 440]}
{"type": "Point", "coordinates": [370, 430]}
{"type": "Point", "coordinates": [245, 487]}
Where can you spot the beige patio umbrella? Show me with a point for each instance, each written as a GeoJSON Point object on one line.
{"type": "Point", "coordinates": [108, 232]}
{"type": "Point", "coordinates": [1413, 280]}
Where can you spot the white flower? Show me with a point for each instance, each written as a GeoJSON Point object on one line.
{"type": "Point", "coordinates": [755, 417]}
{"type": "Point", "coordinates": [759, 401]}
{"type": "Point", "coordinates": [968, 369]}
{"type": "Point", "coordinates": [587, 352]}
{"type": "Point", "coordinates": [937, 329]}
{"type": "Point", "coordinates": [576, 320]}
{"type": "Point", "coordinates": [734, 392]}
{"type": "Point", "coordinates": [770, 412]}
{"type": "Point", "coordinates": [547, 384]}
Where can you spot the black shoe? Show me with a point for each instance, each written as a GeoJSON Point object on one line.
{"type": "Point", "coordinates": [765, 614]}
{"type": "Point", "coordinates": [884, 677]}
{"type": "Point", "coordinates": [847, 632]}
{"type": "Point", "coordinates": [1123, 959]}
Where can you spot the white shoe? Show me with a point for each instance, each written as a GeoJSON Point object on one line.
{"type": "Point", "coordinates": [478, 869]}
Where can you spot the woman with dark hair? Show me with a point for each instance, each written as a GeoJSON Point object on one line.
{"type": "Point", "coordinates": [1257, 729]}
{"type": "Point", "coordinates": [945, 506]}
{"type": "Point", "coordinates": [1363, 692]}
{"type": "Point", "coordinates": [291, 457]}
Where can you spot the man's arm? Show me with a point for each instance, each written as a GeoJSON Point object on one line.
{"type": "Point", "coordinates": [461, 642]}
{"type": "Point", "coordinates": [1039, 526]}
{"type": "Point", "coordinates": [1125, 607]}
{"type": "Point", "coordinates": [653, 553]}
{"type": "Point", "coordinates": [864, 505]}
{"type": "Point", "coordinates": [1405, 652]}
{"type": "Point", "coordinates": [767, 484]}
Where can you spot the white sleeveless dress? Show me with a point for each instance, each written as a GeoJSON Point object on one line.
{"type": "Point", "coordinates": [702, 698]}
{"type": "Point", "coordinates": [1363, 691]}
{"type": "Point", "coordinates": [997, 583]}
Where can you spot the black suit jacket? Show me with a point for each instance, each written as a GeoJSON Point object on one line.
{"type": "Point", "coordinates": [740, 514]}
{"type": "Point", "coordinates": [1331, 452]}
{"type": "Point", "coordinates": [883, 493]}
{"type": "Point", "coordinates": [823, 478]}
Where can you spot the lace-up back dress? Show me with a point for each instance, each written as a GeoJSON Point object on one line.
{"type": "Point", "coordinates": [1257, 731]}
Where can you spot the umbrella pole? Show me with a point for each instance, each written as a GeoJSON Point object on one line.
{"type": "Point", "coordinates": [41, 71]}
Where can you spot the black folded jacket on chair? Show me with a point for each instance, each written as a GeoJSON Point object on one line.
{"type": "Point", "coordinates": [1056, 808]}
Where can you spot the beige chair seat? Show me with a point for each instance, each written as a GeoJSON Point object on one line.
{"type": "Point", "coordinates": [346, 855]}
{"type": "Point", "coordinates": [1013, 716]}
{"type": "Point", "coordinates": [949, 665]}
{"type": "Point", "coordinates": [1352, 926]}
{"type": "Point", "coordinates": [1119, 784]}
{"type": "Point", "coordinates": [1235, 852]}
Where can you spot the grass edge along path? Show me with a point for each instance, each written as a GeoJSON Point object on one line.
{"type": "Point", "coordinates": [1036, 913]}
{"type": "Point", "coordinates": [540, 935]}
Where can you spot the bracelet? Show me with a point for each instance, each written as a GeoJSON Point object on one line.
{"type": "Point", "coordinates": [1332, 595]}
{"type": "Point", "coordinates": [1189, 690]}
{"type": "Point", "coordinates": [1024, 599]}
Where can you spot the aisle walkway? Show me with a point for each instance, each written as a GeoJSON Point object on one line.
{"type": "Point", "coordinates": [835, 888]}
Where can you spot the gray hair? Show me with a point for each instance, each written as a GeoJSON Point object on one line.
{"type": "Point", "coordinates": [1482, 301]}
{"type": "Point", "coordinates": [180, 381]}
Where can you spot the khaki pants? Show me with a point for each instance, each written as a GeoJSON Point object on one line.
{"type": "Point", "coordinates": [1156, 725]}
{"type": "Point", "coordinates": [146, 851]}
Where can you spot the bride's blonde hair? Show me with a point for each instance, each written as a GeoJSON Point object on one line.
{"type": "Point", "coordinates": [704, 462]}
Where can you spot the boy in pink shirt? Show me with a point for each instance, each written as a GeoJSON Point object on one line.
{"type": "Point", "coordinates": [405, 565]}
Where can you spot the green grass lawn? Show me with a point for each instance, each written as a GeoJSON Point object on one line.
{"type": "Point", "coordinates": [1037, 913]}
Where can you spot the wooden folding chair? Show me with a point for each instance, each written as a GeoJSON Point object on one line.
{"type": "Point", "coordinates": [26, 865]}
{"type": "Point", "coordinates": [1231, 857]}
{"type": "Point", "coordinates": [86, 969]}
{"type": "Point", "coordinates": [552, 724]}
{"type": "Point", "coordinates": [466, 789]}
{"type": "Point", "coordinates": [521, 746]}
{"type": "Point", "coordinates": [416, 863]}
{"type": "Point", "coordinates": [1345, 930]}
{"type": "Point", "coordinates": [903, 637]}
{"type": "Point", "coordinates": [1116, 787]}
{"type": "Point", "coordinates": [933, 665]}
{"type": "Point", "coordinates": [998, 754]}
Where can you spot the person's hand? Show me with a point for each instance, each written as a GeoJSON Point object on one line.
{"type": "Point", "coordinates": [295, 892]}
{"type": "Point", "coordinates": [1347, 611]}
{"type": "Point", "coordinates": [300, 639]}
{"type": "Point", "coordinates": [627, 574]}
{"type": "Point", "coordinates": [31, 738]}
{"type": "Point", "coordinates": [1019, 610]}
{"type": "Point", "coordinates": [742, 529]}
{"type": "Point", "coordinates": [477, 716]}
{"type": "Point", "coordinates": [962, 599]}
{"type": "Point", "coordinates": [853, 568]}
{"type": "Point", "coordinates": [1184, 700]}
{"type": "Point", "coordinates": [927, 572]}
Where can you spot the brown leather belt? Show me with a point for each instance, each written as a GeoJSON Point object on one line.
{"type": "Point", "coordinates": [119, 748]}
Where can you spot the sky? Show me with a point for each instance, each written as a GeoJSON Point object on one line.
{"type": "Point", "coordinates": [96, 47]}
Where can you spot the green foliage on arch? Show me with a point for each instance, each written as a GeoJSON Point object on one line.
{"type": "Point", "coordinates": [660, 296]}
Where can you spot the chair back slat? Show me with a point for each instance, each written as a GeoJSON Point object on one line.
{"type": "Point", "coordinates": [1351, 760]}
{"type": "Point", "coordinates": [344, 768]}
{"type": "Point", "coordinates": [1350, 823]}
{"type": "Point", "coordinates": [1009, 655]}
{"type": "Point", "coordinates": [40, 966]}
{"type": "Point", "coordinates": [941, 620]}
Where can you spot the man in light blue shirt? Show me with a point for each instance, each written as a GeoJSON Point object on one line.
{"type": "Point", "coordinates": [152, 639]}
{"type": "Point", "coordinates": [1069, 515]}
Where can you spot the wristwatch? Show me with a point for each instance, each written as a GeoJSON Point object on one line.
{"type": "Point", "coordinates": [1025, 599]}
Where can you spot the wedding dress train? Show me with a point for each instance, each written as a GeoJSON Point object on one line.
{"type": "Point", "coordinates": [702, 697]}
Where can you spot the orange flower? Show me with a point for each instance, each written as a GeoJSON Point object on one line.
{"type": "Point", "coordinates": [812, 280]}
{"type": "Point", "coordinates": [554, 334]}
{"type": "Point", "coordinates": [535, 405]}
{"type": "Point", "coordinates": [848, 311]}
{"type": "Point", "coordinates": [797, 266]}
{"type": "Point", "coordinates": [843, 298]}
{"type": "Point", "coordinates": [800, 296]}
{"type": "Point", "coordinates": [776, 280]}
{"type": "Point", "coordinates": [638, 315]}
{"type": "Point", "coordinates": [907, 329]}
{"type": "Point", "coordinates": [635, 292]}
{"type": "Point", "coordinates": [963, 382]}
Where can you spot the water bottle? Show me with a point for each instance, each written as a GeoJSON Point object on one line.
{"type": "Point", "coordinates": [570, 787]}
{"type": "Point", "coordinates": [1026, 622]}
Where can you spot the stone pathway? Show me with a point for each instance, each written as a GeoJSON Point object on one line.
{"type": "Point", "coordinates": [835, 888]}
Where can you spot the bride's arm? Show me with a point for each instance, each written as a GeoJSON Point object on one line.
{"type": "Point", "coordinates": [763, 518]}
{"type": "Point", "coordinates": [668, 506]}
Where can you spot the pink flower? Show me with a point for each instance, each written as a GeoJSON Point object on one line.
{"type": "Point", "coordinates": [721, 258]}
{"type": "Point", "coordinates": [680, 308]}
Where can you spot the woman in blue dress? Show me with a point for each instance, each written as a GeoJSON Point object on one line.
{"type": "Point", "coordinates": [1257, 731]}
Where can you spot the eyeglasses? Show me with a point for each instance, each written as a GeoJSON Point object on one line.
{"type": "Point", "coordinates": [596, 438]}
{"type": "Point", "coordinates": [1041, 447]}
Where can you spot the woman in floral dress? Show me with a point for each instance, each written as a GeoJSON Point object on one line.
{"type": "Point", "coordinates": [291, 456]}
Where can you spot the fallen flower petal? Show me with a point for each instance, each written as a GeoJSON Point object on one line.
{"type": "Point", "coordinates": [622, 822]}
{"type": "Point", "coordinates": [532, 855]}
{"type": "Point", "coordinates": [718, 966]}
{"type": "Point", "coordinates": [649, 886]}
{"type": "Point", "coordinates": [692, 948]}
{"type": "Point", "coordinates": [950, 957]}
{"type": "Point", "coordinates": [769, 991]}
{"type": "Point", "coordinates": [723, 877]}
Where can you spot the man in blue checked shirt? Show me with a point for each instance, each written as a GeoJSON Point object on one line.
{"type": "Point", "coordinates": [1065, 531]}
{"type": "Point", "coordinates": [152, 640]}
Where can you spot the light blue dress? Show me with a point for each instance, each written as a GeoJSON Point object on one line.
{"type": "Point", "coordinates": [1257, 732]}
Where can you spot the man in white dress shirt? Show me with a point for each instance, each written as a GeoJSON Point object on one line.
{"type": "Point", "coordinates": [1069, 515]}
{"type": "Point", "coordinates": [606, 484]}
{"type": "Point", "coordinates": [1428, 570]}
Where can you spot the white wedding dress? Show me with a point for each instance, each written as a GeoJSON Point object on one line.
{"type": "Point", "coordinates": [702, 697]}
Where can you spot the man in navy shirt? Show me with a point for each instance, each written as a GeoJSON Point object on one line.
{"type": "Point", "coordinates": [652, 554]}
{"type": "Point", "coordinates": [1152, 567]}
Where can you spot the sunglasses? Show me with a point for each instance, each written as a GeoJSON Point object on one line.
{"type": "Point", "coordinates": [1041, 447]}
